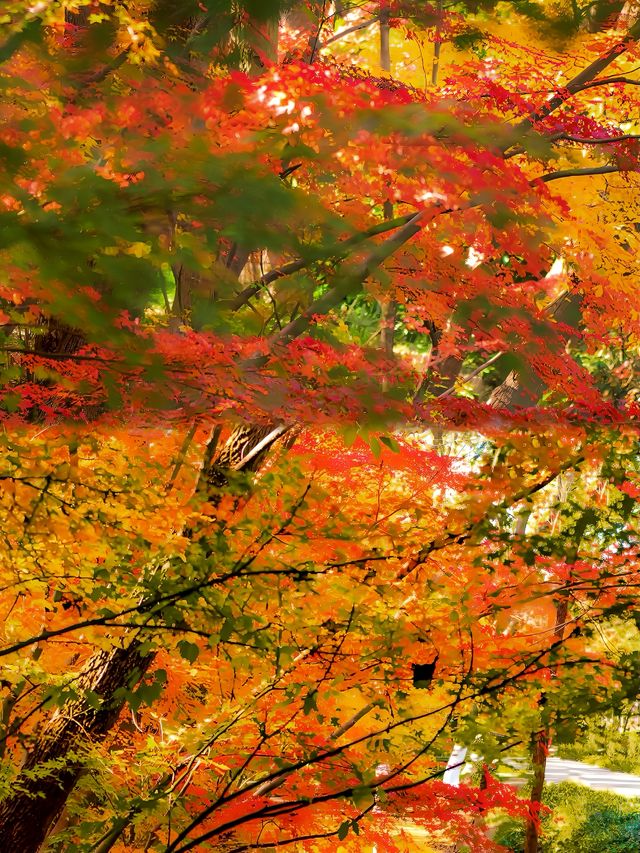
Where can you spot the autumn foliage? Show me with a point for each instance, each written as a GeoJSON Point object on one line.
{"type": "Point", "coordinates": [235, 527]}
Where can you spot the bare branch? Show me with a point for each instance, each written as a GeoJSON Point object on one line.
{"type": "Point", "coordinates": [295, 266]}
{"type": "Point", "coordinates": [472, 375]}
{"type": "Point", "coordinates": [578, 173]}
{"type": "Point", "coordinates": [467, 532]}
{"type": "Point", "coordinates": [583, 140]}
{"type": "Point", "coordinates": [349, 282]}
{"type": "Point", "coordinates": [272, 809]}
{"type": "Point", "coordinates": [583, 79]}
{"type": "Point", "coordinates": [352, 29]}
{"type": "Point", "coordinates": [606, 81]}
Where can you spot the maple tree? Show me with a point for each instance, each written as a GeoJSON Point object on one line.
{"type": "Point", "coordinates": [319, 414]}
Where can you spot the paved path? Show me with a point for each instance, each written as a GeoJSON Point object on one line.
{"type": "Point", "coordinates": [565, 770]}
{"type": "Point", "coordinates": [562, 769]}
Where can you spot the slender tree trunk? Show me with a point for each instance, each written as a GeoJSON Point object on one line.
{"type": "Point", "coordinates": [387, 325]}
{"type": "Point", "coordinates": [388, 307]}
{"type": "Point", "coordinates": [539, 761]}
{"type": "Point", "coordinates": [541, 747]}
{"type": "Point", "coordinates": [541, 739]}
{"type": "Point", "coordinates": [308, 18]}
{"type": "Point", "coordinates": [385, 46]}
{"type": "Point", "coordinates": [437, 46]}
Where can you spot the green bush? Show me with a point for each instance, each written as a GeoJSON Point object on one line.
{"type": "Point", "coordinates": [605, 746]}
{"type": "Point", "coordinates": [581, 821]}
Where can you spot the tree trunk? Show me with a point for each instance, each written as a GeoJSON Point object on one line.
{"type": "Point", "coordinates": [308, 19]}
{"type": "Point", "coordinates": [27, 816]}
{"type": "Point", "coordinates": [603, 15]}
{"type": "Point", "coordinates": [539, 761]}
{"type": "Point", "coordinates": [541, 746]}
{"type": "Point", "coordinates": [388, 307]}
{"type": "Point", "coordinates": [511, 393]}
{"type": "Point", "coordinates": [56, 753]}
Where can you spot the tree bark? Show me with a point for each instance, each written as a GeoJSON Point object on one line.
{"type": "Point", "coordinates": [511, 393]}
{"type": "Point", "coordinates": [388, 307]}
{"type": "Point", "coordinates": [539, 761]}
{"type": "Point", "coordinates": [56, 758]}
{"type": "Point", "coordinates": [308, 19]}
{"type": "Point", "coordinates": [541, 748]}
{"type": "Point", "coordinates": [541, 740]}
{"type": "Point", "coordinates": [604, 15]}
{"type": "Point", "coordinates": [27, 816]}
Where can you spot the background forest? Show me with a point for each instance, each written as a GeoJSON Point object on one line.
{"type": "Point", "coordinates": [319, 341]}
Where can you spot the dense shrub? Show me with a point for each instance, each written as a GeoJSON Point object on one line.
{"type": "Point", "coordinates": [605, 746]}
{"type": "Point", "coordinates": [581, 821]}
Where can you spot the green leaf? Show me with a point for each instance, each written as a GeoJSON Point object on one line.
{"type": "Point", "coordinates": [362, 797]}
{"type": "Point", "coordinates": [189, 651]}
{"type": "Point", "coordinates": [30, 32]}
{"type": "Point", "coordinates": [350, 434]}
{"type": "Point", "coordinates": [11, 402]}
{"type": "Point", "coordinates": [310, 702]}
{"type": "Point", "coordinates": [390, 442]}
{"type": "Point", "coordinates": [343, 829]}
{"type": "Point", "coordinates": [227, 630]}
{"type": "Point", "coordinates": [92, 699]}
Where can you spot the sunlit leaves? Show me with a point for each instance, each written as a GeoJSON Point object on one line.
{"type": "Point", "coordinates": [187, 247]}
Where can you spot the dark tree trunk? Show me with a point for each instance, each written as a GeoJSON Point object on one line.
{"type": "Point", "coordinates": [604, 15]}
{"type": "Point", "coordinates": [512, 393]}
{"type": "Point", "coordinates": [539, 762]}
{"type": "Point", "coordinates": [27, 816]}
{"type": "Point", "coordinates": [77, 19]}
{"type": "Point", "coordinates": [540, 746]}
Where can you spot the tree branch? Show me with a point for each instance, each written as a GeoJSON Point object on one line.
{"type": "Point", "coordinates": [349, 282]}
{"type": "Point", "coordinates": [276, 432]}
{"type": "Point", "coordinates": [583, 140]}
{"type": "Point", "coordinates": [348, 30]}
{"type": "Point", "coordinates": [272, 809]}
{"type": "Point", "coordinates": [578, 173]}
{"type": "Point", "coordinates": [583, 79]}
{"type": "Point", "coordinates": [465, 534]}
{"type": "Point", "coordinates": [606, 81]}
{"type": "Point", "coordinates": [295, 266]}
{"type": "Point", "coordinates": [472, 375]}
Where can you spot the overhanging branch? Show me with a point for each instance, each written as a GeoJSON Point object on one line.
{"type": "Point", "coordinates": [295, 266]}
{"type": "Point", "coordinates": [579, 173]}
{"type": "Point", "coordinates": [584, 79]}
{"type": "Point", "coordinates": [352, 29]}
{"type": "Point", "coordinates": [349, 282]}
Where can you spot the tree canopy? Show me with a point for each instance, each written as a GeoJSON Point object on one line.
{"type": "Point", "coordinates": [319, 345]}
